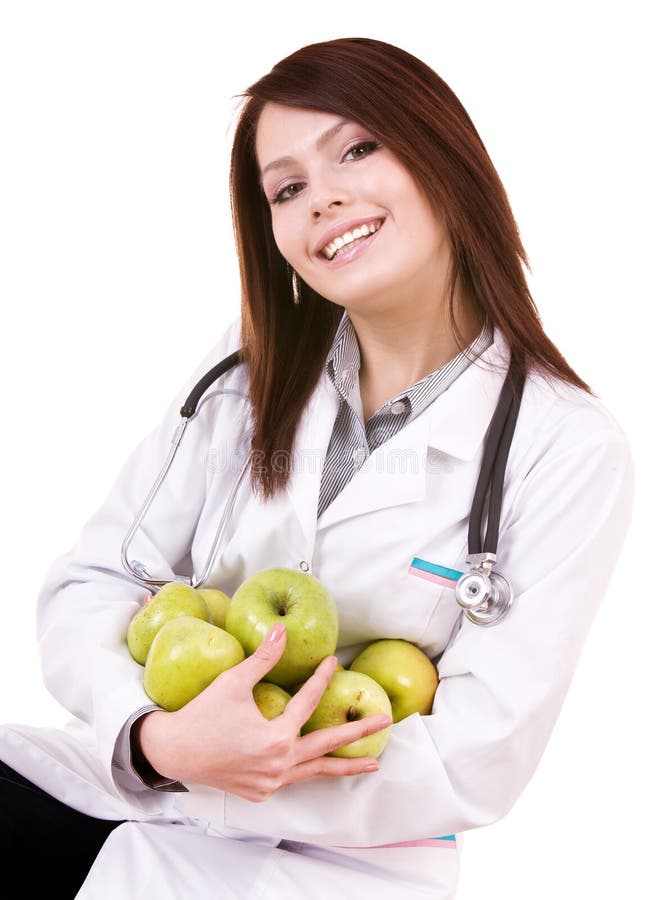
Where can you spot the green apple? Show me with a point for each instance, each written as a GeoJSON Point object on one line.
{"type": "Point", "coordinates": [186, 655]}
{"type": "Point", "coordinates": [217, 602]}
{"type": "Point", "coordinates": [295, 687]}
{"type": "Point", "coordinates": [298, 600]}
{"type": "Point", "coordinates": [270, 699]}
{"type": "Point", "coordinates": [350, 696]}
{"type": "Point", "coordinates": [172, 599]}
{"type": "Point", "coordinates": [404, 671]}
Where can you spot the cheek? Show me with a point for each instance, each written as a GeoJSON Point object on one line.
{"type": "Point", "coordinates": [287, 235]}
{"type": "Point", "coordinates": [418, 220]}
{"type": "Point", "coordinates": [277, 230]}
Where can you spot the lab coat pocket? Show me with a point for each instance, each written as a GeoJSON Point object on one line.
{"type": "Point", "coordinates": [416, 604]}
{"type": "Point", "coordinates": [443, 610]}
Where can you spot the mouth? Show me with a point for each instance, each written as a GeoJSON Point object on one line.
{"type": "Point", "coordinates": [338, 253]}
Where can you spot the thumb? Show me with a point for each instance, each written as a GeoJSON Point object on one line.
{"type": "Point", "coordinates": [266, 655]}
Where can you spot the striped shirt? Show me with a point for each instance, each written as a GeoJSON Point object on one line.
{"type": "Point", "coordinates": [353, 439]}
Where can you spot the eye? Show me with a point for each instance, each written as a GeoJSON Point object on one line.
{"type": "Point", "coordinates": [279, 198]}
{"type": "Point", "coordinates": [367, 146]}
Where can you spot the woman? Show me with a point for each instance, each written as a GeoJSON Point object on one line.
{"type": "Point", "coordinates": [383, 301]}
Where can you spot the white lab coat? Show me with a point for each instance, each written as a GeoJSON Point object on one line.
{"type": "Point", "coordinates": [566, 510]}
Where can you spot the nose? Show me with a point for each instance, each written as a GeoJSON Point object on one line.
{"type": "Point", "coordinates": [320, 208]}
{"type": "Point", "coordinates": [327, 192]}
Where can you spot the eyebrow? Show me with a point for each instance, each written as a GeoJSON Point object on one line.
{"type": "Point", "coordinates": [323, 139]}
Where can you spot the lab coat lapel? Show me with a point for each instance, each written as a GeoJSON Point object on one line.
{"type": "Point", "coordinates": [455, 424]}
{"type": "Point", "coordinates": [393, 474]}
{"type": "Point", "coordinates": [459, 418]}
{"type": "Point", "coordinates": [387, 478]}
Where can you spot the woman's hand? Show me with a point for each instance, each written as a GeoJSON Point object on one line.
{"type": "Point", "coordinates": [220, 738]}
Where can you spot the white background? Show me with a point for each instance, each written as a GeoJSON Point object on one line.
{"type": "Point", "coordinates": [118, 272]}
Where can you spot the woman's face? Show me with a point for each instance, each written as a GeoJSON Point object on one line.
{"type": "Point", "coordinates": [329, 176]}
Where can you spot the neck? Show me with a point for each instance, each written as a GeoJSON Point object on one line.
{"type": "Point", "coordinates": [401, 346]}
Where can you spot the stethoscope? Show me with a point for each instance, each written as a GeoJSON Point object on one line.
{"type": "Point", "coordinates": [484, 595]}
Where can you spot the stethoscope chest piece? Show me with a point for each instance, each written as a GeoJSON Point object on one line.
{"type": "Point", "coordinates": [485, 596]}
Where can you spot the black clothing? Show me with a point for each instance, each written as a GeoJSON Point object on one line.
{"type": "Point", "coordinates": [46, 847]}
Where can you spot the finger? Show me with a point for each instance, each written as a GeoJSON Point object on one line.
{"type": "Point", "coordinates": [326, 740]}
{"type": "Point", "coordinates": [303, 703]}
{"type": "Point", "coordinates": [253, 669]}
{"type": "Point", "coordinates": [331, 767]}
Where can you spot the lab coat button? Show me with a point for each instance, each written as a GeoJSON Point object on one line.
{"type": "Point", "coordinates": [303, 565]}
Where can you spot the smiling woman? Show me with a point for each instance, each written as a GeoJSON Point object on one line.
{"type": "Point", "coordinates": [384, 309]}
{"type": "Point", "coordinates": [336, 195]}
{"type": "Point", "coordinates": [360, 184]}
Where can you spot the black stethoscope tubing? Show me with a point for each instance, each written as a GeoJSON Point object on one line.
{"type": "Point", "coordinates": [484, 594]}
{"type": "Point", "coordinates": [493, 467]}
{"type": "Point", "coordinates": [188, 409]}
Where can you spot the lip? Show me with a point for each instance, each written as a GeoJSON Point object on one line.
{"type": "Point", "coordinates": [339, 229]}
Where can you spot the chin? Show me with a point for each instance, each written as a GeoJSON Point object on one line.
{"type": "Point", "coordinates": [365, 294]}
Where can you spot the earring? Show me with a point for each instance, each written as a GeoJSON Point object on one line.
{"type": "Point", "coordinates": [295, 288]}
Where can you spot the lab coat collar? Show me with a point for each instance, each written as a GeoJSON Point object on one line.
{"type": "Point", "coordinates": [459, 418]}
{"type": "Point", "coordinates": [454, 424]}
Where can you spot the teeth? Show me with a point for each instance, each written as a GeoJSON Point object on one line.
{"type": "Point", "coordinates": [344, 249]}
{"type": "Point", "coordinates": [348, 237]}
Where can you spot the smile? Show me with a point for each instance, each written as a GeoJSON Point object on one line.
{"type": "Point", "coordinates": [337, 245]}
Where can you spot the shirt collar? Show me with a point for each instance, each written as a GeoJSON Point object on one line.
{"type": "Point", "coordinates": [343, 361]}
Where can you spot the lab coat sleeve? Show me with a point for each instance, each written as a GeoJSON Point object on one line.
{"type": "Point", "coordinates": [122, 755]}
{"type": "Point", "coordinates": [133, 764]}
{"type": "Point", "coordinates": [87, 600]}
{"type": "Point", "coordinates": [501, 687]}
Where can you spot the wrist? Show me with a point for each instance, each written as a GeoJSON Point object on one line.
{"type": "Point", "coordinates": [149, 740]}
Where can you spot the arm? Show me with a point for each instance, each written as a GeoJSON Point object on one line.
{"type": "Point", "coordinates": [501, 688]}
{"type": "Point", "coordinates": [87, 600]}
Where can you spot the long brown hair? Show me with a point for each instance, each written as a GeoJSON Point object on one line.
{"type": "Point", "coordinates": [413, 112]}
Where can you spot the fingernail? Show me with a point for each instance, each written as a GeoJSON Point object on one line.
{"type": "Point", "coordinates": [276, 632]}
{"type": "Point", "coordinates": [371, 768]}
